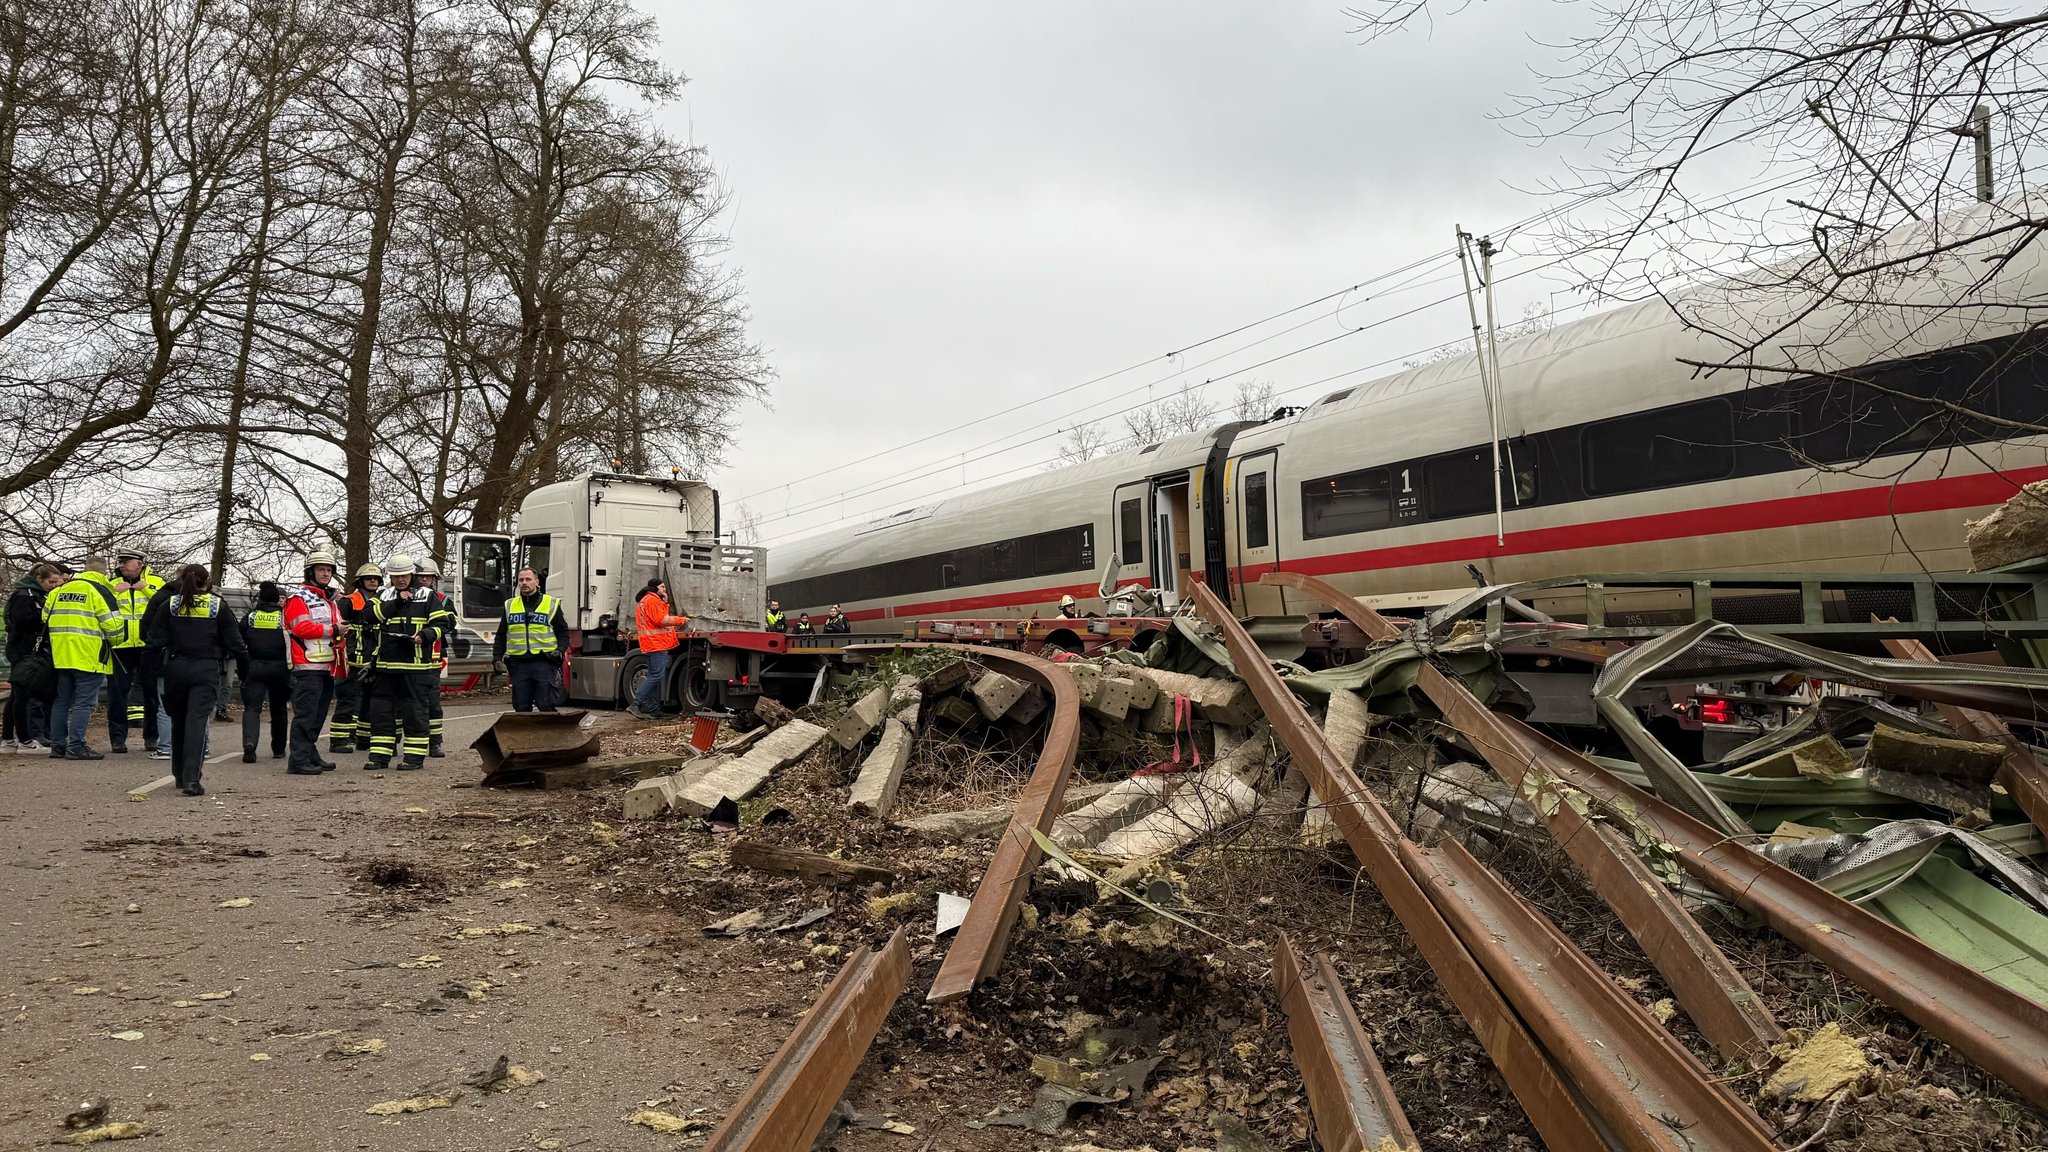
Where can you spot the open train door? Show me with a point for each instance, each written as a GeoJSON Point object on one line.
{"type": "Point", "coordinates": [1255, 524]}
{"type": "Point", "coordinates": [487, 570]}
{"type": "Point", "coordinates": [1130, 526]}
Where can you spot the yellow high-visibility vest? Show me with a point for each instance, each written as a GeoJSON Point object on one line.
{"type": "Point", "coordinates": [530, 633]}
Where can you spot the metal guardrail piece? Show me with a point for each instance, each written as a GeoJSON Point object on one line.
{"type": "Point", "coordinates": [1354, 1105]}
{"type": "Point", "coordinates": [1703, 980]}
{"type": "Point", "coordinates": [519, 744]}
{"type": "Point", "coordinates": [788, 1103]}
{"type": "Point", "coordinates": [1552, 1104]}
{"type": "Point", "coordinates": [977, 949]}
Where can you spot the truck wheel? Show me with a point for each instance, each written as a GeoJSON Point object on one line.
{"type": "Point", "coordinates": [634, 675]}
{"type": "Point", "coordinates": [694, 685]}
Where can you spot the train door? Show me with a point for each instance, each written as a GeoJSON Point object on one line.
{"type": "Point", "coordinates": [1130, 518]}
{"type": "Point", "coordinates": [1255, 498]}
{"type": "Point", "coordinates": [1171, 552]}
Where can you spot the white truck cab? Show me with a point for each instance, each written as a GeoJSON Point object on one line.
{"type": "Point", "coordinates": [595, 541]}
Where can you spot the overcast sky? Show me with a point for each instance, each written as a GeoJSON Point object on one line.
{"type": "Point", "coordinates": [946, 210]}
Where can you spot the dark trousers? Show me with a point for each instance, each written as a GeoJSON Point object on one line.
{"type": "Point", "coordinates": [311, 693]}
{"type": "Point", "coordinates": [434, 714]}
{"type": "Point", "coordinates": [21, 719]}
{"type": "Point", "coordinates": [272, 683]}
{"type": "Point", "coordinates": [131, 698]}
{"type": "Point", "coordinates": [191, 689]}
{"type": "Point", "coordinates": [534, 684]}
{"type": "Point", "coordinates": [398, 714]}
{"type": "Point", "coordinates": [351, 726]}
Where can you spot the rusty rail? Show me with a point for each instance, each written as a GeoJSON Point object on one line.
{"type": "Point", "coordinates": [1595, 1045]}
{"type": "Point", "coordinates": [787, 1104]}
{"type": "Point", "coordinates": [1702, 978]}
{"type": "Point", "coordinates": [1354, 1105]}
{"type": "Point", "coordinates": [978, 947]}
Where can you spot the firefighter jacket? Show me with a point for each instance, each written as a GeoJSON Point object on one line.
{"type": "Point", "coordinates": [533, 629]}
{"type": "Point", "coordinates": [408, 625]}
{"type": "Point", "coordinates": [84, 619]}
{"type": "Point", "coordinates": [133, 601]}
{"type": "Point", "coordinates": [201, 630]}
{"type": "Point", "coordinates": [356, 613]}
{"type": "Point", "coordinates": [314, 630]}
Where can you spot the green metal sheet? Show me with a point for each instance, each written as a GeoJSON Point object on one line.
{"type": "Point", "coordinates": [1965, 918]}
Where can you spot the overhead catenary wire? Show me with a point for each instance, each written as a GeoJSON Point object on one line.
{"type": "Point", "coordinates": [1002, 445]}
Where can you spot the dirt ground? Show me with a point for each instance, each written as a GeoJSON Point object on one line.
{"type": "Point", "coordinates": [126, 921]}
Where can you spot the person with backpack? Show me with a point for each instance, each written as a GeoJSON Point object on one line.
{"type": "Point", "coordinates": [266, 675]}
{"type": "Point", "coordinates": [195, 630]}
{"type": "Point", "coordinates": [83, 620]}
{"type": "Point", "coordinates": [26, 638]}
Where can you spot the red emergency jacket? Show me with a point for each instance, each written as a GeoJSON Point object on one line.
{"type": "Point", "coordinates": [313, 621]}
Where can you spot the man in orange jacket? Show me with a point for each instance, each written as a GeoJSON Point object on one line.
{"type": "Point", "coordinates": [657, 624]}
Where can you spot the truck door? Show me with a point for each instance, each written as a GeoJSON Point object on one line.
{"type": "Point", "coordinates": [1130, 528]}
{"type": "Point", "coordinates": [1255, 495]}
{"type": "Point", "coordinates": [487, 571]}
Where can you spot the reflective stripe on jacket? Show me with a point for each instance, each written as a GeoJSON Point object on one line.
{"type": "Point", "coordinates": [530, 632]}
{"type": "Point", "coordinates": [656, 625]}
{"type": "Point", "coordinates": [131, 602]}
{"type": "Point", "coordinates": [84, 620]}
{"type": "Point", "coordinates": [312, 619]}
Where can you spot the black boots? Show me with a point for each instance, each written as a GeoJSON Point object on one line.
{"type": "Point", "coordinates": [249, 754]}
{"type": "Point", "coordinates": [192, 788]}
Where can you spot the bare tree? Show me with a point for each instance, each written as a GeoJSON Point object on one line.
{"type": "Point", "coordinates": [1079, 443]}
{"type": "Point", "coordinates": [1177, 414]}
{"type": "Point", "coordinates": [1253, 400]}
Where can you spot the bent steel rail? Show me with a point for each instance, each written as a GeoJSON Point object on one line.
{"type": "Point", "coordinates": [787, 1104]}
{"type": "Point", "coordinates": [1354, 1105]}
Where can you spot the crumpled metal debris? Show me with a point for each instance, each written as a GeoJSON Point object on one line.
{"type": "Point", "coordinates": [1862, 865]}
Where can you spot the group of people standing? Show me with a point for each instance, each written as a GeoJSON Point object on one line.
{"type": "Point", "coordinates": [375, 654]}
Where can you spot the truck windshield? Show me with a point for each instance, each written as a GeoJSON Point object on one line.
{"type": "Point", "coordinates": [486, 574]}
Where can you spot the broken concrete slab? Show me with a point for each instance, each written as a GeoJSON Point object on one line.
{"type": "Point", "coordinates": [874, 789]}
{"type": "Point", "coordinates": [1347, 721]}
{"type": "Point", "coordinates": [1968, 761]}
{"type": "Point", "coordinates": [905, 701]}
{"type": "Point", "coordinates": [1031, 707]}
{"type": "Point", "coordinates": [946, 678]}
{"type": "Point", "coordinates": [860, 718]}
{"type": "Point", "coordinates": [1124, 803]}
{"type": "Point", "coordinates": [967, 823]}
{"type": "Point", "coordinates": [1143, 694]}
{"type": "Point", "coordinates": [772, 712]}
{"type": "Point", "coordinates": [956, 713]}
{"type": "Point", "coordinates": [995, 693]}
{"type": "Point", "coordinates": [1218, 701]}
{"type": "Point", "coordinates": [1111, 698]}
{"type": "Point", "coordinates": [1209, 799]}
{"type": "Point", "coordinates": [1820, 758]}
{"type": "Point", "coordinates": [1472, 795]}
{"type": "Point", "coordinates": [739, 779]}
{"type": "Point", "coordinates": [2016, 530]}
{"type": "Point", "coordinates": [639, 802]}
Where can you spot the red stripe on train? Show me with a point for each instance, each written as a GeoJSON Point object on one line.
{"type": "Point", "coordinates": [1981, 489]}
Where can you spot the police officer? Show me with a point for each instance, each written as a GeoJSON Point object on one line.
{"type": "Point", "coordinates": [196, 633]}
{"type": "Point", "coordinates": [777, 622]}
{"type": "Point", "coordinates": [350, 729]}
{"type": "Point", "coordinates": [428, 577]}
{"type": "Point", "coordinates": [531, 639]}
{"type": "Point", "coordinates": [131, 698]}
{"type": "Point", "coordinates": [266, 675]}
{"type": "Point", "coordinates": [83, 619]}
{"type": "Point", "coordinates": [406, 628]}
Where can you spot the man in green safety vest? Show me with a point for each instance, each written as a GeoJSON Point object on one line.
{"type": "Point", "coordinates": [131, 698]}
{"type": "Point", "coordinates": [532, 636]}
{"type": "Point", "coordinates": [266, 676]}
{"type": "Point", "coordinates": [85, 621]}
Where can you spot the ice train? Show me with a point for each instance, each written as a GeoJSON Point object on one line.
{"type": "Point", "coordinates": [1618, 456]}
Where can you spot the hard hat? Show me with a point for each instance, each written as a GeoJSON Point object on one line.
{"type": "Point", "coordinates": [369, 570]}
{"type": "Point", "coordinates": [400, 564]}
{"type": "Point", "coordinates": [427, 567]}
{"type": "Point", "coordinates": [1066, 601]}
{"type": "Point", "coordinates": [321, 556]}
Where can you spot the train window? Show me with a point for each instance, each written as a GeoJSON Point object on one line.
{"type": "Point", "coordinates": [1131, 532]}
{"type": "Point", "coordinates": [1665, 448]}
{"type": "Point", "coordinates": [1896, 411]}
{"type": "Point", "coordinates": [1257, 532]}
{"type": "Point", "coordinates": [1354, 502]}
{"type": "Point", "coordinates": [1461, 483]}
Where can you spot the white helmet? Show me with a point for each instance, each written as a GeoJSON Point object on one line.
{"type": "Point", "coordinates": [400, 564]}
{"type": "Point", "coordinates": [321, 556]}
{"type": "Point", "coordinates": [1066, 601]}
{"type": "Point", "coordinates": [427, 567]}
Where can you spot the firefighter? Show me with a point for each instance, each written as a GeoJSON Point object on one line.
{"type": "Point", "coordinates": [131, 698]}
{"type": "Point", "coordinates": [1068, 611]}
{"type": "Point", "coordinates": [266, 674]}
{"type": "Point", "coordinates": [532, 636]}
{"type": "Point", "coordinates": [83, 619]}
{"type": "Point", "coordinates": [406, 629]}
{"type": "Point", "coordinates": [350, 729]}
{"type": "Point", "coordinates": [317, 646]}
{"type": "Point", "coordinates": [428, 577]}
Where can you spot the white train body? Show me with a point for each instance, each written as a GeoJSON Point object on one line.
{"type": "Point", "coordinates": [1623, 459]}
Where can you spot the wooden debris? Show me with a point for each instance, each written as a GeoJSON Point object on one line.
{"type": "Point", "coordinates": [995, 694]}
{"type": "Point", "coordinates": [811, 866]}
{"type": "Point", "coordinates": [874, 790]}
{"type": "Point", "coordinates": [772, 711]}
{"type": "Point", "coordinates": [741, 778]}
{"type": "Point", "coordinates": [1820, 758]}
{"type": "Point", "coordinates": [861, 718]}
{"type": "Point", "coordinates": [744, 741]}
{"type": "Point", "coordinates": [1895, 750]}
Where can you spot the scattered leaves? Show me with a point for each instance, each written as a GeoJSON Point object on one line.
{"type": "Point", "coordinates": [412, 1104]}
